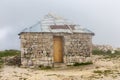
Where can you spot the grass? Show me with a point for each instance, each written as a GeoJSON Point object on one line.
{"type": "Point", "coordinates": [81, 64]}
{"type": "Point", "coordinates": [103, 72]}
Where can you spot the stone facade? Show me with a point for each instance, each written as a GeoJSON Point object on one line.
{"type": "Point", "coordinates": [37, 48]}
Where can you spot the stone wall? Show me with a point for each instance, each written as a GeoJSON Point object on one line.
{"type": "Point", "coordinates": [77, 47]}
{"type": "Point", "coordinates": [37, 48]}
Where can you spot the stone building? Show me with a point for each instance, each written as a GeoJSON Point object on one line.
{"type": "Point", "coordinates": [55, 40]}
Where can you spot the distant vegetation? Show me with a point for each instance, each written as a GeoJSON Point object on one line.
{"type": "Point", "coordinates": [9, 53]}
{"type": "Point", "coordinates": [108, 53]}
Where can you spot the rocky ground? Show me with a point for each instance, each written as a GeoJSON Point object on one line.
{"type": "Point", "coordinates": [103, 68]}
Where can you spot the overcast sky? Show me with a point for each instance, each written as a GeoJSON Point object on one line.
{"type": "Point", "coordinates": [100, 16]}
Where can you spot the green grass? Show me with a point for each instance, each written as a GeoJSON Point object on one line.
{"type": "Point", "coordinates": [81, 64]}
{"type": "Point", "coordinates": [9, 53]}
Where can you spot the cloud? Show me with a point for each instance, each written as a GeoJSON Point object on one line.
{"type": "Point", "coordinates": [9, 38]}
{"type": "Point", "coordinates": [100, 16]}
{"type": "Point", "coordinates": [3, 33]}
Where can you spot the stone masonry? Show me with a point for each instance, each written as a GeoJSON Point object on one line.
{"type": "Point", "coordinates": [37, 48]}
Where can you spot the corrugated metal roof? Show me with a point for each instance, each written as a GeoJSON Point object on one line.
{"type": "Point", "coordinates": [52, 20]}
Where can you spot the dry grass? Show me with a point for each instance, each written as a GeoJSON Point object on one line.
{"type": "Point", "coordinates": [102, 69]}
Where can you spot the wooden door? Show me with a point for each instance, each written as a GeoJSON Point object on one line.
{"type": "Point", "coordinates": [58, 49]}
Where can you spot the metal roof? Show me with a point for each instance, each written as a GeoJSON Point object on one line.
{"type": "Point", "coordinates": [52, 20]}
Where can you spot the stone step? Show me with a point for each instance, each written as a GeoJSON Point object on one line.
{"type": "Point", "coordinates": [59, 65]}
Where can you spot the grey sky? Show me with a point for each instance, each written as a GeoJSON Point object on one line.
{"type": "Point", "coordinates": [100, 16]}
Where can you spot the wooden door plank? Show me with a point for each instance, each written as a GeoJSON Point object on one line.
{"type": "Point", "coordinates": [58, 49]}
